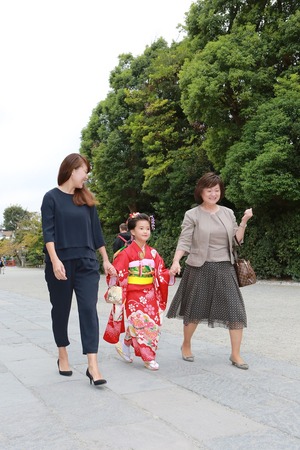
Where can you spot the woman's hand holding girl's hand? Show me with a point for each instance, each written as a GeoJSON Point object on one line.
{"type": "Point", "coordinates": [175, 268]}
{"type": "Point", "coordinates": [109, 269]}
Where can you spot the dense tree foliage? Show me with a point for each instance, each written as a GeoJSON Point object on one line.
{"type": "Point", "coordinates": [145, 153]}
{"type": "Point", "coordinates": [29, 239]}
{"type": "Point", "coordinates": [12, 216]}
{"type": "Point", "coordinates": [26, 245]}
{"type": "Point", "coordinates": [263, 167]}
{"type": "Point", "coordinates": [226, 98]}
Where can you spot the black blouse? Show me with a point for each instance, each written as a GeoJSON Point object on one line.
{"type": "Point", "coordinates": [75, 230]}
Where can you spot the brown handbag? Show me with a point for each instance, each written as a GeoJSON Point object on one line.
{"type": "Point", "coordinates": [244, 271]}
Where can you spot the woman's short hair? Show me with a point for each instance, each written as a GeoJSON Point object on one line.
{"type": "Point", "coordinates": [208, 180]}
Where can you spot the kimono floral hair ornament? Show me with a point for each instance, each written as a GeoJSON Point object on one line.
{"type": "Point", "coordinates": [136, 216]}
{"type": "Point", "coordinates": [133, 215]}
{"type": "Point", "coordinates": [152, 222]}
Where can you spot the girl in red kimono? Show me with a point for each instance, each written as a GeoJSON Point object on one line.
{"type": "Point", "coordinates": [144, 281]}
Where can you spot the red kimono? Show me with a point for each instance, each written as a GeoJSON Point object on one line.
{"type": "Point", "coordinates": [144, 281]}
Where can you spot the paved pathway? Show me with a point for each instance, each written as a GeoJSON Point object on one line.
{"type": "Point", "coordinates": [208, 404]}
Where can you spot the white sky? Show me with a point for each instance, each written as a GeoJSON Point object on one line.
{"type": "Point", "coordinates": [56, 57]}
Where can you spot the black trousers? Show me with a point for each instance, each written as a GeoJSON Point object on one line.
{"type": "Point", "coordinates": [83, 279]}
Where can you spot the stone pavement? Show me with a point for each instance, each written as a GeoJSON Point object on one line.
{"type": "Point", "coordinates": [208, 404]}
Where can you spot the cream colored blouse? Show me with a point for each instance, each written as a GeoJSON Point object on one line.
{"type": "Point", "coordinates": [218, 241]}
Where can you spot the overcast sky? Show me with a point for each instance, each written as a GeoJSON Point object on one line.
{"type": "Point", "coordinates": [56, 57]}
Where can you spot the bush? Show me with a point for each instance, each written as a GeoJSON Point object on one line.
{"type": "Point", "coordinates": [272, 244]}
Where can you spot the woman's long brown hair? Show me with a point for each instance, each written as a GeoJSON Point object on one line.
{"type": "Point", "coordinates": [73, 161]}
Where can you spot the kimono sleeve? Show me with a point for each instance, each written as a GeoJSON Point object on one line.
{"type": "Point", "coordinates": [163, 280]}
{"type": "Point", "coordinates": [121, 264]}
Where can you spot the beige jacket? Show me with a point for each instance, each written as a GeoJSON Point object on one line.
{"type": "Point", "coordinates": [195, 231]}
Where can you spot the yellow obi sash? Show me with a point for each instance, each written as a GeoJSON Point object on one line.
{"type": "Point", "coordinates": [139, 280]}
{"type": "Point", "coordinates": [140, 272]}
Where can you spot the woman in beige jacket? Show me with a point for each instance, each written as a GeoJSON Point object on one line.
{"type": "Point", "coordinates": [209, 291]}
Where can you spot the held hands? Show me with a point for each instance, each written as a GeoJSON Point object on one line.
{"type": "Point", "coordinates": [109, 269]}
{"type": "Point", "coordinates": [175, 268]}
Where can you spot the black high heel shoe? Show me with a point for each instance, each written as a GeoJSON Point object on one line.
{"type": "Point", "coordinates": [96, 382]}
{"type": "Point", "coordinates": [65, 373]}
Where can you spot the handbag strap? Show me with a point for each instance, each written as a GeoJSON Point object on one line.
{"type": "Point", "coordinates": [112, 279]}
{"type": "Point", "coordinates": [234, 251]}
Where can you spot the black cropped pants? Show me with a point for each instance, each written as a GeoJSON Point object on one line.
{"type": "Point", "coordinates": [83, 280]}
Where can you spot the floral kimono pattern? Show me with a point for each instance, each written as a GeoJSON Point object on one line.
{"type": "Point", "coordinates": [144, 281]}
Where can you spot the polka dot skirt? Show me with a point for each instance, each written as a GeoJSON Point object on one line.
{"type": "Point", "coordinates": [209, 294]}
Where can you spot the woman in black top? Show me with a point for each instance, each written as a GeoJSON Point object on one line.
{"type": "Point", "coordinates": [72, 234]}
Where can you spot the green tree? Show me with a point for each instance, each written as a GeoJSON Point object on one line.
{"type": "Point", "coordinates": [224, 85]}
{"type": "Point", "coordinates": [146, 156]}
{"type": "Point", "coordinates": [224, 99]}
{"type": "Point", "coordinates": [242, 85]}
{"type": "Point", "coordinates": [263, 167]}
{"type": "Point", "coordinates": [171, 146]}
{"type": "Point", "coordinates": [263, 170]}
{"type": "Point", "coordinates": [235, 66]}
{"type": "Point", "coordinates": [12, 216]}
{"type": "Point", "coordinates": [118, 163]}
{"type": "Point", "coordinates": [29, 239]}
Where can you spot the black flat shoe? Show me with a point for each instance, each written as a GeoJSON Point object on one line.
{"type": "Point", "coordinates": [96, 382]}
{"type": "Point", "coordinates": [65, 373]}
